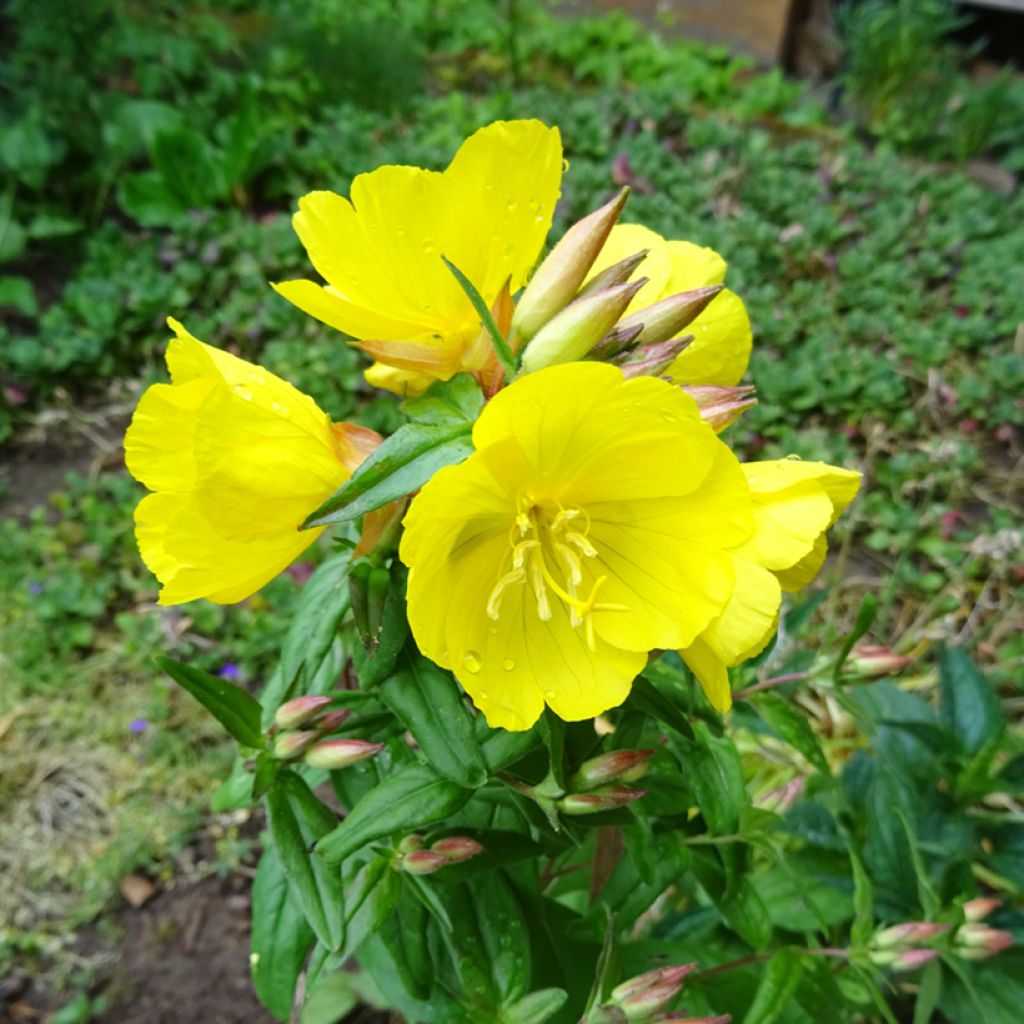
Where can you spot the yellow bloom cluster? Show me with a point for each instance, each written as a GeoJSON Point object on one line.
{"type": "Point", "coordinates": [600, 518]}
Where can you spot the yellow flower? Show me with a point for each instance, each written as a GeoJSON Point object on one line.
{"type": "Point", "coordinates": [794, 504]}
{"type": "Point", "coordinates": [380, 251]}
{"type": "Point", "coordinates": [720, 350]}
{"type": "Point", "coordinates": [592, 525]}
{"type": "Point", "coordinates": [236, 458]}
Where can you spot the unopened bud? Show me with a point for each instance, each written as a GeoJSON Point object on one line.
{"type": "Point", "coordinates": [652, 360]}
{"type": "Point", "coordinates": [871, 661]}
{"type": "Point", "coordinates": [978, 909]}
{"type": "Point", "coordinates": [722, 1018]}
{"type": "Point", "coordinates": [908, 933]}
{"type": "Point", "coordinates": [617, 273]}
{"type": "Point", "coordinates": [423, 862]}
{"type": "Point", "coordinates": [911, 959]}
{"type": "Point", "coordinates": [457, 848]}
{"type": "Point", "coordinates": [665, 319]}
{"type": "Point", "coordinates": [294, 713]}
{"type": "Point", "coordinates": [780, 799]}
{"type": "Point", "coordinates": [341, 753]}
{"type": "Point", "coordinates": [978, 941]}
{"type": "Point", "coordinates": [411, 843]}
{"type": "Point", "coordinates": [659, 976]}
{"type": "Point", "coordinates": [600, 800]}
{"type": "Point", "coordinates": [292, 744]}
{"type": "Point", "coordinates": [607, 768]}
{"type": "Point", "coordinates": [579, 327]}
{"type": "Point", "coordinates": [640, 1005]}
{"type": "Point", "coordinates": [557, 280]}
{"type": "Point", "coordinates": [721, 406]}
{"type": "Point", "coordinates": [331, 721]}
{"type": "Point", "coordinates": [615, 343]}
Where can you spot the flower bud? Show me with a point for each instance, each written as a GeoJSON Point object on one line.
{"type": "Point", "coordinates": [659, 976]}
{"type": "Point", "coordinates": [978, 909]}
{"type": "Point", "coordinates": [780, 799]}
{"type": "Point", "coordinates": [721, 406]}
{"type": "Point", "coordinates": [457, 848]}
{"type": "Point", "coordinates": [652, 360]}
{"type": "Point", "coordinates": [292, 744]}
{"type": "Point", "coordinates": [615, 343]}
{"type": "Point", "coordinates": [557, 280]}
{"type": "Point", "coordinates": [908, 933]}
{"type": "Point", "coordinates": [911, 959]}
{"type": "Point", "coordinates": [979, 941]}
{"type": "Point", "coordinates": [600, 800]}
{"type": "Point", "coordinates": [423, 862]}
{"type": "Point", "coordinates": [871, 661]}
{"type": "Point", "coordinates": [617, 273]}
{"type": "Point", "coordinates": [665, 319]}
{"type": "Point", "coordinates": [331, 721]}
{"type": "Point", "coordinates": [294, 713]}
{"type": "Point", "coordinates": [411, 843]}
{"type": "Point", "coordinates": [579, 327]}
{"type": "Point", "coordinates": [607, 768]}
{"type": "Point", "coordinates": [341, 753]}
{"type": "Point", "coordinates": [722, 1018]}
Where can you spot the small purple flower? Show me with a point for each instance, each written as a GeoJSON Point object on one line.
{"type": "Point", "coordinates": [138, 725]}
{"type": "Point", "coordinates": [35, 589]}
{"type": "Point", "coordinates": [229, 670]}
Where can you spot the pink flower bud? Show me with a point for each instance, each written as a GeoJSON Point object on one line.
{"type": "Point", "coordinates": [292, 744]}
{"type": "Point", "coordinates": [908, 933]}
{"type": "Point", "coordinates": [299, 711]}
{"type": "Point", "coordinates": [331, 721]}
{"type": "Point", "coordinates": [665, 319]}
{"type": "Point", "coordinates": [652, 360]}
{"type": "Point", "coordinates": [573, 332]}
{"type": "Point", "coordinates": [978, 909]}
{"type": "Point", "coordinates": [457, 848]}
{"type": "Point", "coordinates": [912, 959]}
{"type": "Point", "coordinates": [558, 278]}
{"type": "Point", "coordinates": [721, 406]}
{"type": "Point", "coordinates": [659, 976]}
{"type": "Point", "coordinates": [871, 661]}
{"type": "Point", "coordinates": [978, 941]}
{"type": "Point", "coordinates": [423, 862]}
{"type": "Point", "coordinates": [341, 753]}
{"type": "Point", "coordinates": [780, 800]}
{"type": "Point", "coordinates": [607, 768]}
{"type": "Point", "coordinates": [411, 843]}
{"type": "Point", "coordinates": [640, 1005]}
{"type": "Point", "coordinates": [600, 800]}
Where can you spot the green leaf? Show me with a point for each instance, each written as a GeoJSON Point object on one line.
{"type": "Point", "coordinates": [501, 347]}
{"type": "Point", "coordinates": [645, 697]}
{"type": "Point", "coordinates": [714, 770]}
{"type": "Point", "coordinates": [792, 727]}
{"type": "Point", "coordinates": [389, 631]}
{"type": "Point", "coordinates": [536, 1008]}
{"type": "Point", "coordinates": [865, 616]}
{"type": "Point", "coordinates": [331, 1000]}
{"type": "Point", "coordinates": [429, 703]}
{"type": "Point", "coordinates": [411, 798]}
{"type": "Point", "coordinates": [778, 983]}
{"type": "Point", "coordinates": [281, 937]}
{"type": "Point", "coordinates": [369, 900]}
{"type": "Point", "coordinates": [404, 934]}
{"type": "Point", "coordinates": [297, 820]}
{"type": "Point", "coordinates": [17, 293]}
{"type": "Point", "coordinates": [968, 704]}
{"type": "Point", "coordinates": [502, 748]}
{"type": "Point", "coordinates": [235, 709]}
{"type": "Point", "coordinates": [745, 913]}
{"type": "Point", "coordinates": [400, 465]}
{"type": "Point", "coordinates": [863, 902]}
{"type": "Point", "coordinates": [148, 201]}
{"type": "Point", "coordinates": [553, 730]}
{"type": "Point", "coordinates": [928, 993]}
{"type": "Point", "coordinates": [454, 401]}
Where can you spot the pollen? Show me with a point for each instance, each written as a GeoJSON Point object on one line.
{"type": "Point", "coordinates": [551, 552]}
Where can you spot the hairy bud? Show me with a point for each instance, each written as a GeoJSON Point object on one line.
{"type": "Point", "coordinates": [978, 909]}
{"type": "Point", "coordinates": [333, 754]}
{"type": "Point", "coordinates": [871, 661]}
{"type": "Point", "coordinates": [423, 862]}
{"type": "Point", "coordinates": [665, 319]}
{"type": "Point", "coordinates": [607, 799]}
{"type": "Point", "coordinates": [652, 360]}
{"type": "Point", "coordinates": [979, 941]}
{"type": "Point", "coordinates": [294, 713]}
{"type": "Point", "coordinates": [617, 273]}
{"type": "Point", "coordinates": [721, 406]}
{"type": "Point", "coordinates": [457, 848]}
{"type": "Point", "coordinates": [292, 744]}
{"type": "Point", "coordinates": [908, 933]}
{"type": "Point", "coordinates": [607, 768]}
{"type": "Point", "coordinates": [557, 280]}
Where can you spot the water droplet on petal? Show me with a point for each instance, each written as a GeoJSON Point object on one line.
{"type": "Point", "coordinates": [471, 661]}
{"type": "Point", "coordinates": [508, 664]}
{"type": "Point", "coordinates": [669, 416]}
{"type": "Point", "coordinates": [549, 694]}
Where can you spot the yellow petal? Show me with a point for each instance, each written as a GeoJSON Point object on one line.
{"type": "Point", "coordinates": [404, 383]}
{"type": "Point", "coordinates": [750, 617]}
{"type": "Point", "coordinates": [192, 561]}
{"type": "Point", "coordinates": [710, 671]}
{"type": "Point", "coordinates": [799, 575]}
{"type": "Point", "coordinates": [693, 266]}
{"type": "Point", "coordinates": [720, 350]}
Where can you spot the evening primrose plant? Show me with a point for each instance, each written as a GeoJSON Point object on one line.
{"type": "Point", "coordinates": [539, 585]}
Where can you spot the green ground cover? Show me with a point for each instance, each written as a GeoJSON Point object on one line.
{"type": "Point", "coordinates": [886, 294]}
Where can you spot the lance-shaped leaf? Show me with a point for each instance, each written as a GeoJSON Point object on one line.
{"type": "Point", "coordinates": [297, 820]}
{"type": "Point", "coordinates": [429, 704]}
{"type": "Point", "coordinates": [411, 798]}
{"type": "Point", "coordinates": [439, 435]}
{"type": "Point", "coordinates": [235, 709]}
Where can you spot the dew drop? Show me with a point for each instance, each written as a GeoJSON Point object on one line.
{"type": "Point", "coordinates": [484, 695]}
{"type": "Point", "coordinates": [669, 416]}
{"type": "Point", "coordinates": [493, 630]}
{"type": "Point", "coordinates": [281, 410]}
{"type": "Point", "coordinates": [471, 660]}
{"type": "Point", "coordinates": [508, 664]}
{"type": "Point", "coordinates": [549, 694]}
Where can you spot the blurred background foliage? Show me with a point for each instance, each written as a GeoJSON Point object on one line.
{"type": "Point", "coordinates": [151, 154]}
